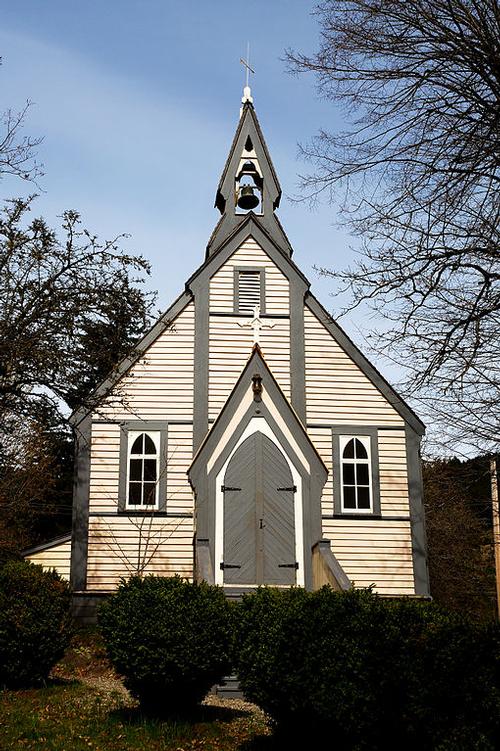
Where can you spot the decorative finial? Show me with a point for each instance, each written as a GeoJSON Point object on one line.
{"type": "Point", "coordinates": [247, 92]}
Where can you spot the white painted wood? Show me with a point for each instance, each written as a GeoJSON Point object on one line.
{"type": "Point", "coordinates": [161, 383]}
{"type": "Point", "coordinates": [373, 552]}
{"type": "Point", "coordinates": [58, 557]}
{"type": "Point", "coordinates": [336, 389]}
{"type": "Point", "coordinates": [118, 546]}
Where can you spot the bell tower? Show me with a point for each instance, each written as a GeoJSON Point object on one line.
{"type": "Point", "coordinates": [249, 184]}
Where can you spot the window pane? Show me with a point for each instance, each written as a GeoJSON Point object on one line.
{"type": "Point", "coordinates": [150, 469]}
{"type": "Point", "coordinates": [138, 444]}
{"type": "Point", "coordinates": [362, 474]}
{"type": "Point", "coordinates": [348, 474]}
{"type": "Point", "coordinates": [149, 447]}
{"type": "Point", "coordinates": [349, 497]}
{"type": "Point", "coordinates": [360, 450]}
{"type": "Point", "coordinates": [150, 493]}
{"type": "Point", "coordinates": [134, 493]}
{"type": "Point", "coordinates": [135, 469]}
{"type": "Point", "coordinates": [364, 497]}
{"type": "Point", "coordinates": [349, 450]}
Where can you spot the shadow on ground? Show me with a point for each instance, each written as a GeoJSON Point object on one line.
{"type": "Point", "coordinates": [201, 714]}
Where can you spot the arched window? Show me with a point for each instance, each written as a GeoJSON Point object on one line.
{"type": "Point", "coordinates": [356, 473]}
{"type": "Point", "coordinates": [143, 466]}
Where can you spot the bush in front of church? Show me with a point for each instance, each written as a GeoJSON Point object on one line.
{"type": "Point", "coordinates": [169, 639]}
{"type": "Point", "coordinates": [357, 670]}
{"type": "Point", "coordinates": [35, 623]}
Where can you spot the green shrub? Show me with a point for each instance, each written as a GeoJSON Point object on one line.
{"type": "Point", "coordinates": [35, 623]}
{"type": "Point", "coordinates": [361, 671]}
{"type": "Point", "coordinates": [169, 639]}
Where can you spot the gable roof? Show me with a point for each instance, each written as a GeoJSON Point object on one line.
{"type": "Point", "coordinates": [251, 227]}
{"type": "Point", "coordinates": [256, 364]}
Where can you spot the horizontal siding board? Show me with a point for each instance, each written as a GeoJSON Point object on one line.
{"type": "Point", "coordinates": [160, 385]}
{"type": "Point", "coordinates": [58, 557]}
{"type": "Point", "coordinates": [230, 347]}
{"type": "Point", "coordinates": [114, 542]}
{"type": "Point", "coordinates": [336, 388]}
{"type": "Point", "coordinates": [374, 552]}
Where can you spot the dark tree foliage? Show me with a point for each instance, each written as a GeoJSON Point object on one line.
{"type": "Point", "coordinates": [71, 307]}
{"type": "Point", "coordinates": [35, 623]}
{"type": "Point", "coordinates": [170, 639]}
{"type": "Point", "coordinates": [457, 496]}
{"type": "Point", "coordinates": [354, 671]}
{"type": "Point", "coordinates": [420, 167]}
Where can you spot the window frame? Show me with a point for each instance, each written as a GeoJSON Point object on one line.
{"type": "Point", "coordinates": [340, 437]}
{"type": "Point", "coordinates": [365, 441]}
{"type": "Point", "coordinates": [129, 431]}
{"type": "Point", "coordinates": [236, 288]}
{"type": "Point", "coordinates": [132, 436]}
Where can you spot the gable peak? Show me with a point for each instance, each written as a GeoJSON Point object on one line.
{"type": "Point", "coordinates": [249, 183]}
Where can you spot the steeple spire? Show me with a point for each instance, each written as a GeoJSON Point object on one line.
{"type": "Point", "coordinates": [249, 186]}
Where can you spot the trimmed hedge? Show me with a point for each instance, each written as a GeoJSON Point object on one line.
{"type": "Point", "coordinates": [361, 672]}
{"type": "Point", "coordinates": [169, 639]}
{"type": "Point", "coordinates": [35, 623]}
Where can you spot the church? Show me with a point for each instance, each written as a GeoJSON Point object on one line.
{"type": "Point", "coordinates": [246, 441]}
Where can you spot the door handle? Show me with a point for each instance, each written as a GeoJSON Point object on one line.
{"type": "Point", "coordinates": [261, 524]}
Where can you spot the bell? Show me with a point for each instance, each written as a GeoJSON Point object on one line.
{"type": "Point", "coordinates": [246, 198]}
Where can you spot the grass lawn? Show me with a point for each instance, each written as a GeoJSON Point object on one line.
{"type": "Point", "coordinates": [86, 707]}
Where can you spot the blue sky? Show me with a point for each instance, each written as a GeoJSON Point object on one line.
{"type": "Point", "coordinates": [138, 102]}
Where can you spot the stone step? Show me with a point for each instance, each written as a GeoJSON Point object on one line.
{"type": "Point", "coordinates": [228, 688]}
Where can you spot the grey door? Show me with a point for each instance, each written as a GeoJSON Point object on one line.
{"type": "Point", "coordinates": [259, 517]}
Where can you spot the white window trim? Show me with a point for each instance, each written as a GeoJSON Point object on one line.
{"type": "Point", "coordinates": [366, 441]}
{"type": "Point", "coordinates": [155, 436]}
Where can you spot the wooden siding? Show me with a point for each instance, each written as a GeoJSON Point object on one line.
{"type": "Point", "coordinates": [322, 439]}
{"type": "Point", "coordinates": [336, 389]}
{"type": "Point", "coordinates": [231, 338]}
{"type": "Point", "coordinates": [118, 545]}
{"type": "Point", "coordinates": [105, 467]}
{"type": "Point", "coordinates": [373, 552]}
{"type": "Point", "coordinates": [249, 254]}
{"type": "Point", "coordinates": [394, 500]}
{"type": "Point", "coordinates": [180, 497]}
{"type": "Point", "coordinates": [58, 557]}
{"type": "Point", "coordinates": [160, 384]}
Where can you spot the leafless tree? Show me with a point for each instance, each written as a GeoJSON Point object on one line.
{"type": "Point", "coordinates": [418, 172]}
{"type": "Point", "coordinates": [17, 150]}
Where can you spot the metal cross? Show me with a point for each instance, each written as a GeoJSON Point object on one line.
{"type": "Point", "coordinates": [256, 324]}
{"type": "Point", "coordinates": [246, 63]}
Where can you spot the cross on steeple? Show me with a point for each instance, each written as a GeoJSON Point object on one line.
{"type": "Point", "coordinates": [247, 93]}
{"type": "Point", "coordinates": [246, 63]}
{"type": "Point", "coordinates": [256, 324]}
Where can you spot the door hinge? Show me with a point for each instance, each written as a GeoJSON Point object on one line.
{"type": "Point", "coordinates": [293, 489]}
{"type": "Point", "coordinates": [228, 565]}
{"type": "Point", "coordinates": [288, 565]}
{"type": "Point", "coordinates": [227, 487]}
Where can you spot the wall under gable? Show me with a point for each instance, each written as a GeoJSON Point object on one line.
{"type": "Point", "coordinates": [231, 338]}
{"type": "Point", "coordinates": [160, 385]}
{"type": "Point", "coordinates": [337, 390]}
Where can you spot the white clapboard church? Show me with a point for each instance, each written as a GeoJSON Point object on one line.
{"type": "Point", "coordinates": [247, 441]}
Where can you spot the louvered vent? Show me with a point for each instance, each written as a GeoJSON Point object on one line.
{"type": "Point", "coordinates": [248, 291]}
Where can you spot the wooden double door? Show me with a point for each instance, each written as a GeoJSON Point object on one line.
{"type": "Point", "coordinates": [259, 516]}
